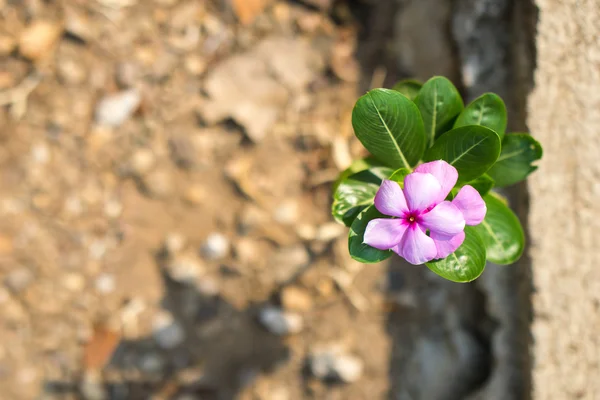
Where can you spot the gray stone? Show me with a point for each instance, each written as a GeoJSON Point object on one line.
{"type": "Point", "coordinates": [334, 363]}
{"type": "Point", "coordinates": [115, 109]}
{"type": "Point", "coordinates": [280, 322]}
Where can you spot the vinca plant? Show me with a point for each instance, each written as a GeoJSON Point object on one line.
{"type": "Point", "coordinates": [426, 193]}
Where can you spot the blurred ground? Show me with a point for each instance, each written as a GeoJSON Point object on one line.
{"type": "Point", "coordinates": [165, 178]}
{"type": "Point", "coordinates": [165, 171]}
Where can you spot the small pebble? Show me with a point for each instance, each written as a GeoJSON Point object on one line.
{"type": "Point", "coordinates": [19, 279]}
{"type": "Point", "coordinates": [126, 74]}
{"type": "Point", "coordinates": [113, 208]}
{"type": "Point", "coordinates": [288, 261]}
{"type": "Point", "coordinates": [114, 109]}
{"type": "Point", "coordinates": [215, 247]}
{"type": "Point", "coordinates": [7, 44]}
{"type": "Point", "coordinates": [208, 286]}
{"type": "Point", "coordinates": [40, 153]}
{"type": "Point", "coordinates": [151, 363]}
{"type": "Point", "coordinates": [167, 332]}
{"type": "Point", "coordinates": [174, 243]}
{"type": "Point", "coordinates": [195, 65]}
{"type": "Point", "coordinates": [38, 39]}
{"type": "Point", "coordinates": [71, 72]}
{"type": "Point", "coordinates": [105, 283]}
{"type": "Point", "coordinates": [185, 268]}
{"type": "Point", "coordinates": [334, 364]}
{"type": "Point", "coordinates": [286, 212]}
{"type": "Point", "coordinates": [329, 231]}
{"type": "Point", "coordinates": [194, 195]}
{"type": "Point", "coordinates": [158, 184]}
{"type": "Point", "coordinates": [279, 322]}
{"type": "Point", "coordinates": [74, 282]}
{"type": "Point", "coordinates": [296, 299]}
{"type": "Point", "coordinates": [142, 161]}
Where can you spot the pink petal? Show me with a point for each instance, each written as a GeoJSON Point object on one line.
{"type": "Point", "coordinates": [421, 191]}
{"type": "Point", "coordinates": [390, 200]}
{"type": "Point", "coordinates": [445, 173]}
{"type": "Point", "coordinates": [444, 220]}
{"type": "Point", "coordinates": [416, 247]}
{"type": "Point", "coordinates": [384, 233]}
{"type": "Point", "coordinates": [447, 247]}
{"type": "Point", "coordinates": [470, 203]}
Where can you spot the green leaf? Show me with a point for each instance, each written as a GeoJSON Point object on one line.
{"type": "Point", "coordinates": [487, 110]}
{"type": "Point", "coordinates": [483, 184]}
{"type": "Point", "coordinates": [472, 150]}
{"type": "Point", "coordinates": [389, 125]}
{"type": "Point", "coordinates": [356, 193]}
{"type": "Point", "coordinates": [466, 263]}
{"type": "Point", "coordinates": [501, 232]}
{"type": "Point", "coordinates": [399, 175]}
{"type": "Point", "coordinates": [358, 250]}
{"type": "Point", "coordinates": [440, 104]}
{"type": "Point", "coordinates": [408, 87]}
{"type": "Point", "coordinates": [356, 166]}
{"type": "Point", "coordinates": [519, 152]}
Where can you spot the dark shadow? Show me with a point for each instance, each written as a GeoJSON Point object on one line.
{"type": "Point", "coordinates": [449, 340]}
{"type": "Point", "coordinates": [224, 349]}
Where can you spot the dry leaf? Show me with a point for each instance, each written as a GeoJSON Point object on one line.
{"type": "Point", "coordinates": [248, 10]}
{"type": "Point", "coordinates": [100, 348]}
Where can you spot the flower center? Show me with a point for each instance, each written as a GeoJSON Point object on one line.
{"type": "Point", "coordinates": [411, 217]}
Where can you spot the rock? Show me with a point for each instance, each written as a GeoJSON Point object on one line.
{"type": "Point", "coordinates": [243, 89]}
{"type": "Point", "coordinates": [19, 279]}
{"type": "Point", "coordinates": [127, 74]}
{"type": "Point", "coordinates": [7, 44]}
{"type": "Point", "coordinates": [167, 332]}
{"type": "Point", "coordinates": [280, 322]}
{"type": "Point", "coordinates": [183, 152]}
{"type": "Point", "coordinates": [71, 72]}
{"type": "Point", "coordinates": [194, 64]}
{"type": "Point", "coordinates": [288, 261]}
{"type": "Point", "coordinates": [113, 208]}
{"type": "Point", "coordinates": [296, 299]}
{"type": "Point", "coordinates": [174, 243]}
{"type": "Point", "coordinates": [7, 80]}
{"type": "Point", "coordinates": [6, 245]}
{"type": "Point", "coordinates": [73, 282]}
{"type": "Point", "coordinates": [306, 231]}
{"type": "Point", "coordinates": [38, 39]}
{"type": "Point", "coordinates": [142, 161]}
{"type": "Point", "coordinates": [334, 364]}
{"type": "Point", "coordinates": [215, 247]}
{"type": "Point", "coordinates": [114, 109]}
{"type": "Point", "coordinates": [185, 268]}
{"type": "Point", "coordinates": [286, 212]}
{"type": "Point", "coordinates": [330, 231]}
{"type": "Point", "coordinates": [151, 363]}
{"type": "Point", "coordinates": [92, 386]}
{"type": "Point", "coordinates": [194, 195]}
{"type": "Point", "coordinates": [213, 144]}
{"type": "Point", "coordinates": [208, 286]}
{"type": "Point", "coordinates": [251, 252]}
{"type": "Point", "coordinates": [293, 61]}
{"type": "Point", "coordinates": [105, 283]}
{"type": "Point", "coordinates": [158, 184]}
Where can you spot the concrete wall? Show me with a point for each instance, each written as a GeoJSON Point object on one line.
{"type": "Point", "coordinates": [564, 114]}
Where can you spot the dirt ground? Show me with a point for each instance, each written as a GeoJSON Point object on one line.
{"type": "Point", "coordinates": [165, 171]}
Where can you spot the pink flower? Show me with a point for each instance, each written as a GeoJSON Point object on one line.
{"type": "Point", "coordinates": [420, 208]}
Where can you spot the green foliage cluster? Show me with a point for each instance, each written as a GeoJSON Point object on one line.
{"type": "Point", "coordinates": [414, 123]}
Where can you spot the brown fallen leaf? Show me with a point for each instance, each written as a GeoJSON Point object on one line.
{"type": "Point", "coordinates": [248, 10]}
{"type": "Point", "coordinates": [100, 348]}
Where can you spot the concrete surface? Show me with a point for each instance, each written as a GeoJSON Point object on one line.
{"type": "Point", "coordinates": [564, 114]}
